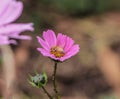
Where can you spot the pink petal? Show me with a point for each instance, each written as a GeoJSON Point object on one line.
{"type": "Point", "coordinates": [43, 43]}
{"type": "Point", "coordinates": [61, 40]}
{"type": "Point", "coordinates": [49, 37]}
{"type": "Point", "coordinates": [68, 45]}
{"type": "Point", "coordinates": [12, 28]}
{"type": "Point", "coordinates": [23, 37]}
{"type": "Point", "coordinates": [12, 12]}
{"type": "Point", "coordinates": [4, 40]}
{"type": "Point", "coordinates": [46, 53]}
{"type": "Point", "coordinates": [3, 6]}
{"type": "Point", "coordinates": [43, 52]}
{"type": "Point", "coordinates": [53, 57]}
{"type": "Point", "coordinates": [73, 50]}
{"type": "Point", "coordinates": [13, 42]}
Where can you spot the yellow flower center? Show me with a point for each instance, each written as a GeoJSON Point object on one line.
{"type": "Point", "coordinates": [57, 51]}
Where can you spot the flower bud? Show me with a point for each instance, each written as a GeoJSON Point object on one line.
{"type": "Point", "coordinates": [39, 80]}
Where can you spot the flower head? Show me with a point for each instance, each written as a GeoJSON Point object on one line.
{"type": "Point", "coordinates": [59, 48]}
{"type": "Point", "coordinates": [10, 10]}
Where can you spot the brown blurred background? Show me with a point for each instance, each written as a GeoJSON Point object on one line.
{"type": "Point", "coordinates": [94, 73]}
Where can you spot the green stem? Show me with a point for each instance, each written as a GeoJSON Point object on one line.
{"type": "Point", "coordinates": [50, 97]}
{"type": "Point", "coordinates": [54, 81]}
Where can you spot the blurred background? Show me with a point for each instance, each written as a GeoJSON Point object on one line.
{"type": "Point", "coordinates": [94, 73]}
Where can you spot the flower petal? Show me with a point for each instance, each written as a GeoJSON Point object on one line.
{"type": "Point", "coordinates": [68, 45]}
{"type": "Point", "coordinates": [61, 40]}
{"type": "Point", "coordinates": [50, 38]}
{"type": "Point", "coordinates": [46, 53]}
{"type": "Point", "coordinates": [5, 40]}
{"type": "Point", "coordinates": [12, 28]}
{"type": "Point", "coordinates": [43, 43]}
{"type": "Point", "coordinates": [73, 50]}
{"type": "Point", "coordinates": [11, 12]}
{"type": "Point", "coordinates": [3, 6]}
{"type": "Point", "coordinates": [13, 42]}
{"type": "Point", "coordinates": [22, 37]}
{"type": "Point", "coordinates": [43, 52]}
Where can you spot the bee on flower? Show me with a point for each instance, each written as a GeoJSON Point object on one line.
{"type": "Point", "coordinates": [59, 48]}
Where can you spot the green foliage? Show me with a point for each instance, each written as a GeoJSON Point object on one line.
{"type": "Point", "coordinates": [107, 97]}
{"type": "Point", "coordinates": [70, 7]}
{"type": "Point", "coordinates": [47, 2]}
{"type": "Point", "coordinates": [74, 6]}
{"type": "Point", "coordinates": [85, 6]}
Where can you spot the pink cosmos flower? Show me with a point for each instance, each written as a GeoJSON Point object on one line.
{"type": "Point", "coordinates": [10, 10]}
{"type": "Point", "coordinates": [58, 48]}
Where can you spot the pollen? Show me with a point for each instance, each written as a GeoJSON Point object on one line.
{"type": "Point", "coordinates": [57, 51]}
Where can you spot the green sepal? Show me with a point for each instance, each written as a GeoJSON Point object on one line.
{"type": "Point", "coordinates": [31, 81]}
{"type": "Point", "coordinates": [46, 78]}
